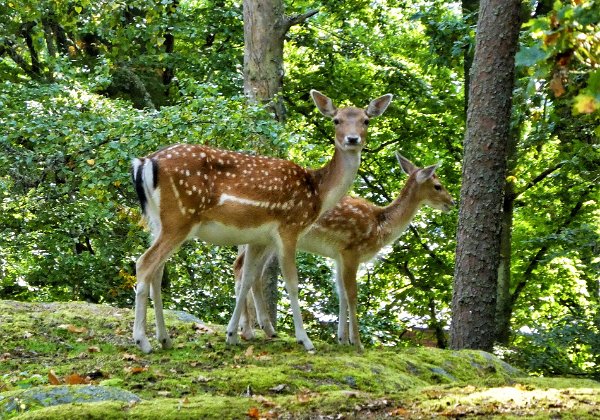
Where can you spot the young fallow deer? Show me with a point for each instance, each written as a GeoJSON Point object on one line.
{"type": "Point", "coordinates": [230, 198]}
{"type": "Point", "coordinates": [351, 233]}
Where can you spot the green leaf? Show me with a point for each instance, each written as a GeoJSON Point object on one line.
{"type": "Point", "coordinates": [530, 56]}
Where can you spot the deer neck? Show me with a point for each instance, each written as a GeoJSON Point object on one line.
{"type": "Point", "coordinates": [396, 217]}
{"type": "Point", "coordinates": [334, 179]}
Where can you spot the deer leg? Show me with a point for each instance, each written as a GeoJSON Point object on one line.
{"type": "Point", "coordinates": [250, 268]}
{"type": "Point", "coordinates": [262, 314]}
{"type": "Point", "coordinates": [349, 277]}
{"type": "Point", "coordinates": [343, 307]}
{"type": "Point", "coordinates": [287, 262]}
{"type": "Point", "coordinates": [247, 321]}
{"type": "Point", "coordinates": [148, 267]}
{"type": "Point", "coordinates": [155, 293]}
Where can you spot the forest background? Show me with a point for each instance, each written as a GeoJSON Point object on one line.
{"type": "Point", "coordinates": [86, 86]}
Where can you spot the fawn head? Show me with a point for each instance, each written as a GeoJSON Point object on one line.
{"type": "Point", "coordinates": [430, 190]}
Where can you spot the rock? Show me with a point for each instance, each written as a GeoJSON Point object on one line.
{"type": "Point", "coordinates": [20, 401]}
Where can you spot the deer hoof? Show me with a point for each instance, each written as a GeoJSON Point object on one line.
{"type": "Point", "coordinates": [144, 345]}
{"type": "Point", "coordinates": [166, 343]}
{"type": "Point", "coordinates": [232, 338]}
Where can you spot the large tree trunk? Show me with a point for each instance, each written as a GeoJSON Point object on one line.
{"type": "Point", "coordinates": [484, 168]}
{"type": "Point", "coordinates": [265, 27]}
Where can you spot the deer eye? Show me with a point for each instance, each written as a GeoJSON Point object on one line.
{"type": "Point", "coordinates": [438, 187]}
{"type": "Point", "coordinates": [367, 122]}
{"type": "Point", "coordinates": [336, 121]}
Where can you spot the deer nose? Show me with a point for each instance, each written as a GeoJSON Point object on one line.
{"type": "Point", "coordinates": [352, 140]}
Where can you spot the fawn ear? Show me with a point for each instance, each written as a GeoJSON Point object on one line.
{"type": "Point", "coordinates": [426, 173]}
{"type": "Point", "coordinates": [379, 105]}
{"type": "Point", "coordinates": [324, 104]}
{"type": "Point", "coordinates": [407, 166]}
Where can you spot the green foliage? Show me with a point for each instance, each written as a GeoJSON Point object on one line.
{"type": "Point", "coordinates": [565, 46]}
{"type": "Point", "coordinates": [564, 346]}
{"type": "Point", "coordinates": [68, 212]}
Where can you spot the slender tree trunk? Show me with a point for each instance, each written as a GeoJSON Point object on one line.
{"type": "Point", "coordinates": [264, 31]}
{"type": "Point", "coordinates": [484, 169]}
{"type": "Point", "coordinates": [169, 44]}
{"type": "Point", "coordinates": [265, 27]}
{"type": "Point", "coordinates": [504, 303]}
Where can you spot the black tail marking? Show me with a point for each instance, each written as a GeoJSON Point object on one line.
{"type": "Point", "coordinates": [154, 173]}
{"type": "Point", "coordinates": [138, 182]}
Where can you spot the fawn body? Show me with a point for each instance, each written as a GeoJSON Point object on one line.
{"type": "Point", "coordinates": [351, 233]}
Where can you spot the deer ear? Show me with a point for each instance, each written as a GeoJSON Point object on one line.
{"type": "Point", "coordinates": [407, 166]}
{"type": "Point", "coordinates": [426, 173]}
{"type": "Point", "coordinates": [379, 105]}
{"type": "Point", "coordinates": [323, 103]}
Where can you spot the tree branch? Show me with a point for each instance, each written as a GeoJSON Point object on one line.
{"type": "Point", "coordinates": [26, 33]}
{"type": "Point", "coordinates": [538, 179]}
{"type": "Point", "coordinates": [298, 19]}
{"type": "Point", "coordinates": [9, 48]}
{"type": "Point", "coordinates": [372, 186]}
{"type": "Point", "coordinates": [539, 255]}
{"type": "Point", "coordinates": [431, 253]}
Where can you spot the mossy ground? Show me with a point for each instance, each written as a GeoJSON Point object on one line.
{"type": "Point", "coordinates": [44, 344]}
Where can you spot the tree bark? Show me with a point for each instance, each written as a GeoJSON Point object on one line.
{"type": "Point", "coordinates": [469, 8]}
{"type": "Point", "coordinates": [503, 304]}
{"type": "Point", "coordinates": [265, 26]}
{"type": "Point", "coordinates": [484, 170]}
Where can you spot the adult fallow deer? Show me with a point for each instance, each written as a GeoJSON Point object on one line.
{"type": "Point", "coordinates": [353, 232]}
{"type": "Point", "coordinates": [230, 198]}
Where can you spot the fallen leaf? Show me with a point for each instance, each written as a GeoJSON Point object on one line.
{"type": "Point", "coordinates": [52, 378]}
{"type": "Point", "coordinates": [136, 369]}
{"type": "Point", "coordinates": [5, 356]}
{"type": "Point", "coordinates": [264, 401]}
{"type": "Point", "coordinates": [398, 412]}
{"type": "Point", "coordinates": [249, 351]}
{"type": "Point", "coordinates": [76, 379]}
{"type": "Point", "coordinates": [253, 413]}
{"type": "Point", "coordinates": [201, 328]}
{"type": "Point", "coordinates": [94, 349]}
{"type": "Point", "coordinates": [72, 328]}
{"type": "Point", "coordinates": [130, 357]}
{"type": "Point", "coordinates": [304, 396]}
{"type": "Point", "coordinates": [263, 355]}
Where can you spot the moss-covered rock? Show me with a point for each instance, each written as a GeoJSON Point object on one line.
{"type": "Point", "coordinates": [19, 401]}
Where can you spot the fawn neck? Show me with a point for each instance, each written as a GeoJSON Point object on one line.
{"type": "Point", "coordinates": [396, 217]}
